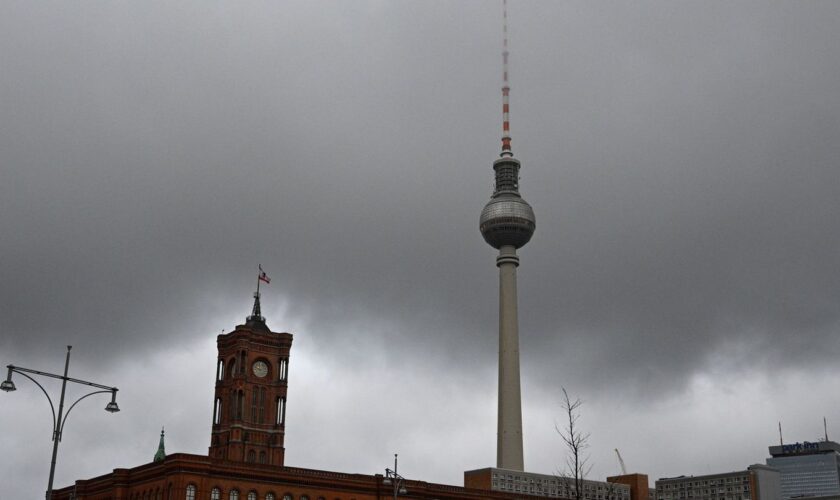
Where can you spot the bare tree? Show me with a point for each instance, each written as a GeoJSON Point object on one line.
{"type": "Point", "coordinates": [577, 461]}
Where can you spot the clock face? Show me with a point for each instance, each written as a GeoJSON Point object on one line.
{"type": "Point", "coordinates": [260, 369]}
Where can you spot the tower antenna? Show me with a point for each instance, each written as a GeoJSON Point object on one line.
{"type": "Point", "coordinates": [825, 428]}
{"type": "Point", "coordinates": [506, 151]}
{"type": "Point", "coordinates": [781, 441]}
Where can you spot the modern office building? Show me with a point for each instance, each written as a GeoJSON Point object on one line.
{"type": "Point", "coordinates": [542, 485]}
{"type": "Point", "coordinates": [807, 469]}
{"type": "Point", "coordinates": [758, 482]}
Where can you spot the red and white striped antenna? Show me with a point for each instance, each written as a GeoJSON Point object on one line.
{"type": "Point", "coordinates": [506, 152]}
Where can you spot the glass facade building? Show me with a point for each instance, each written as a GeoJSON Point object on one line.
{"type": "Point", "coordinates": [808, 470]}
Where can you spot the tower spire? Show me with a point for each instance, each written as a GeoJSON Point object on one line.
{"type": "Point", "coordinates": [161, 451]}
{"type": "Point", "coordinates": [256, 313]}
{"type": "Point", "coordinates": [506, 151]}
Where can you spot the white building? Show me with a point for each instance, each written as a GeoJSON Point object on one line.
{"type": "Point", "coordinates": [544, 485]}
{"type": "Point", "coordinates": [758, 482]}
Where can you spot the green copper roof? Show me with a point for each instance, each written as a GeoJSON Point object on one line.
{"type": "Point", "coordinates": [161, 451]}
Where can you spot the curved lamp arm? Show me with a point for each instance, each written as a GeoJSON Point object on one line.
{"type": "Point", "coordinates": [52, 408]}
{"type": "Point", "coordinates": [61, 428]}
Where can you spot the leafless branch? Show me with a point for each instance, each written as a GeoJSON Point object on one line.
{"type": "Point", "coordinates": [577, 465]}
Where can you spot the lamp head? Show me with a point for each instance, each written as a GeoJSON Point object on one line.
{"type": "Point", "coordinates": [402, 490]}
{"type": "Point", "coordinates": [8, 385]}
{"type": "Point", "coordinates": [386, 481]}
{"type": "Point", "coordinates": [112, 407]}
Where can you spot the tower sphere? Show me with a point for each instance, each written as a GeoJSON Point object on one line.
{"type": "Point", "coordinates": [507, 220]}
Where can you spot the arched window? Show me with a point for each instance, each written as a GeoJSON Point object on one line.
{"type": "Point", "coordinates": [215, 494]}
{"type": "Point", "coordinates": [234, 494]}
{"type": "Point", "coordinates": [283, 372]}
{"type": "Point", "coordinates": [252, 456]}
{"type": "Point", "coordinates": [288, 496]}
{"type": "Point", "coordinates": [232, 367]}
{"type": "Point", "coordinates": [255, 396]}
{"type": "Point", "coordinates": [217, 411]}
{"type": "Point", "coordinates": [190, 492]}
{"type": "Point", "coordinates": [304, 497]}
{"type": "Point", "coordinates": [269, 496]}
{"type": "Point", "coordinates": [220, 370]}
{"type": "Point", "coordinates": [240, 404]}
{"type": "Point", "coordinates": [280, 418]}
{"type": "Point", "coordinates": [261, 417]}
{"type": "Point", "coordinates": [262, 457]}
{"type": "Point", "coordinates": [242, 362]}
{"type": "Point", "coordinates": [252, 495]}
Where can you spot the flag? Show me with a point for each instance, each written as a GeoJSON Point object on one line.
{"type": "Point", "coordinates": [263, 276]}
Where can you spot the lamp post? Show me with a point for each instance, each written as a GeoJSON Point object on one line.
{"type": "Point", "coordinates": [393, 479]}
{"type": "Point", "coordinates": [60, 418]}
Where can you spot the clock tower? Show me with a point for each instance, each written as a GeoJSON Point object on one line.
{"type": "Point", "coordinates": [249, 409]}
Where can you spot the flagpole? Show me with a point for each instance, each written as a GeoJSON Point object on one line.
{"type": "Point", "coordinates": [258, 281]}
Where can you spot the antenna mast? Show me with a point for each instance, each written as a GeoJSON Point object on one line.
{"type": "Point", "coordinates": [506, 152]}
{"type": "Point", "coordinates": [825, 428]}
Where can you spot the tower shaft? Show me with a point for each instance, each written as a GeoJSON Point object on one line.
{"type": "Point", "coordinates": [507, 223]}
{"type": "Point", "coordinates": [509, 439]}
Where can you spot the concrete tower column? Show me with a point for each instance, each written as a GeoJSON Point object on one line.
{"type": "Point", "coordinates": [507, 223]}
{"type": "Point", "coordinates": [509, 438]}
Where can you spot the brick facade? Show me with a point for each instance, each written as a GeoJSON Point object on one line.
{"type": "Point", "coordinates": [249, 410]}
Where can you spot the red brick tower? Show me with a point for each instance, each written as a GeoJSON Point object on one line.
{"type": "Point", "coordinates": [249, 410]}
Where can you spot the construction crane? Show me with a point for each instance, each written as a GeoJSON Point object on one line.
{"type": "Point", "coordinates": [621, 463]}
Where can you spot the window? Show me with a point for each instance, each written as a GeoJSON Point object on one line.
{"type": "Point", "coordinates": [240, 404]}
{"type": "Point", "coordinates": [269, 496]}
{"type": "Point", "coordinates": [304, 497]}
{"type": "Point", "coordinates": [242, 362]}
{"type": "Point", "coordinates": [190, 492]}
{"type": "Point", "coordinates": [220, 370]}
{"type": "Point", "coordinates": [252, 456]}
{"type": "Point", "coordinates": [217, 411]}
{"type": "Point", "coordinates": [232, 367]}
{"type": "Point", "coordinates": [288, 496]}
{"type": "Point", "coordinates": [252, 495]}
{"type": "Point", "coordinates": [255, 396]}
{"type": "Point", "coordinates": [234, 494]}
{"type": "Point", "coordinates": [262, 457]}
{"type": "Point", "coordinates": [284, 369]}
{"type": "Point", "coordinates": [215, 494]}
{"type": "Point", "coordinates": [261, 417]}
{"type": "Point", "coordinates": [281, 411]}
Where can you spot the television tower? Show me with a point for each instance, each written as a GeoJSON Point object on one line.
{"type": "Point", "coordinates": [507, 223]}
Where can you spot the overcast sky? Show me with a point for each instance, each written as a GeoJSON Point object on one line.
{"type": "Point", "coordinates": [682, 159]}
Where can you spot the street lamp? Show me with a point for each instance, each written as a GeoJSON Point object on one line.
{"type": "Point", "coordinates": [60, 418]}
{"type": "Point", "coordinates": [393, 479]}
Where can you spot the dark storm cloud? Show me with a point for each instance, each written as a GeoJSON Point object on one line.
{"type": "Point", "coordinates": [681, 159]}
